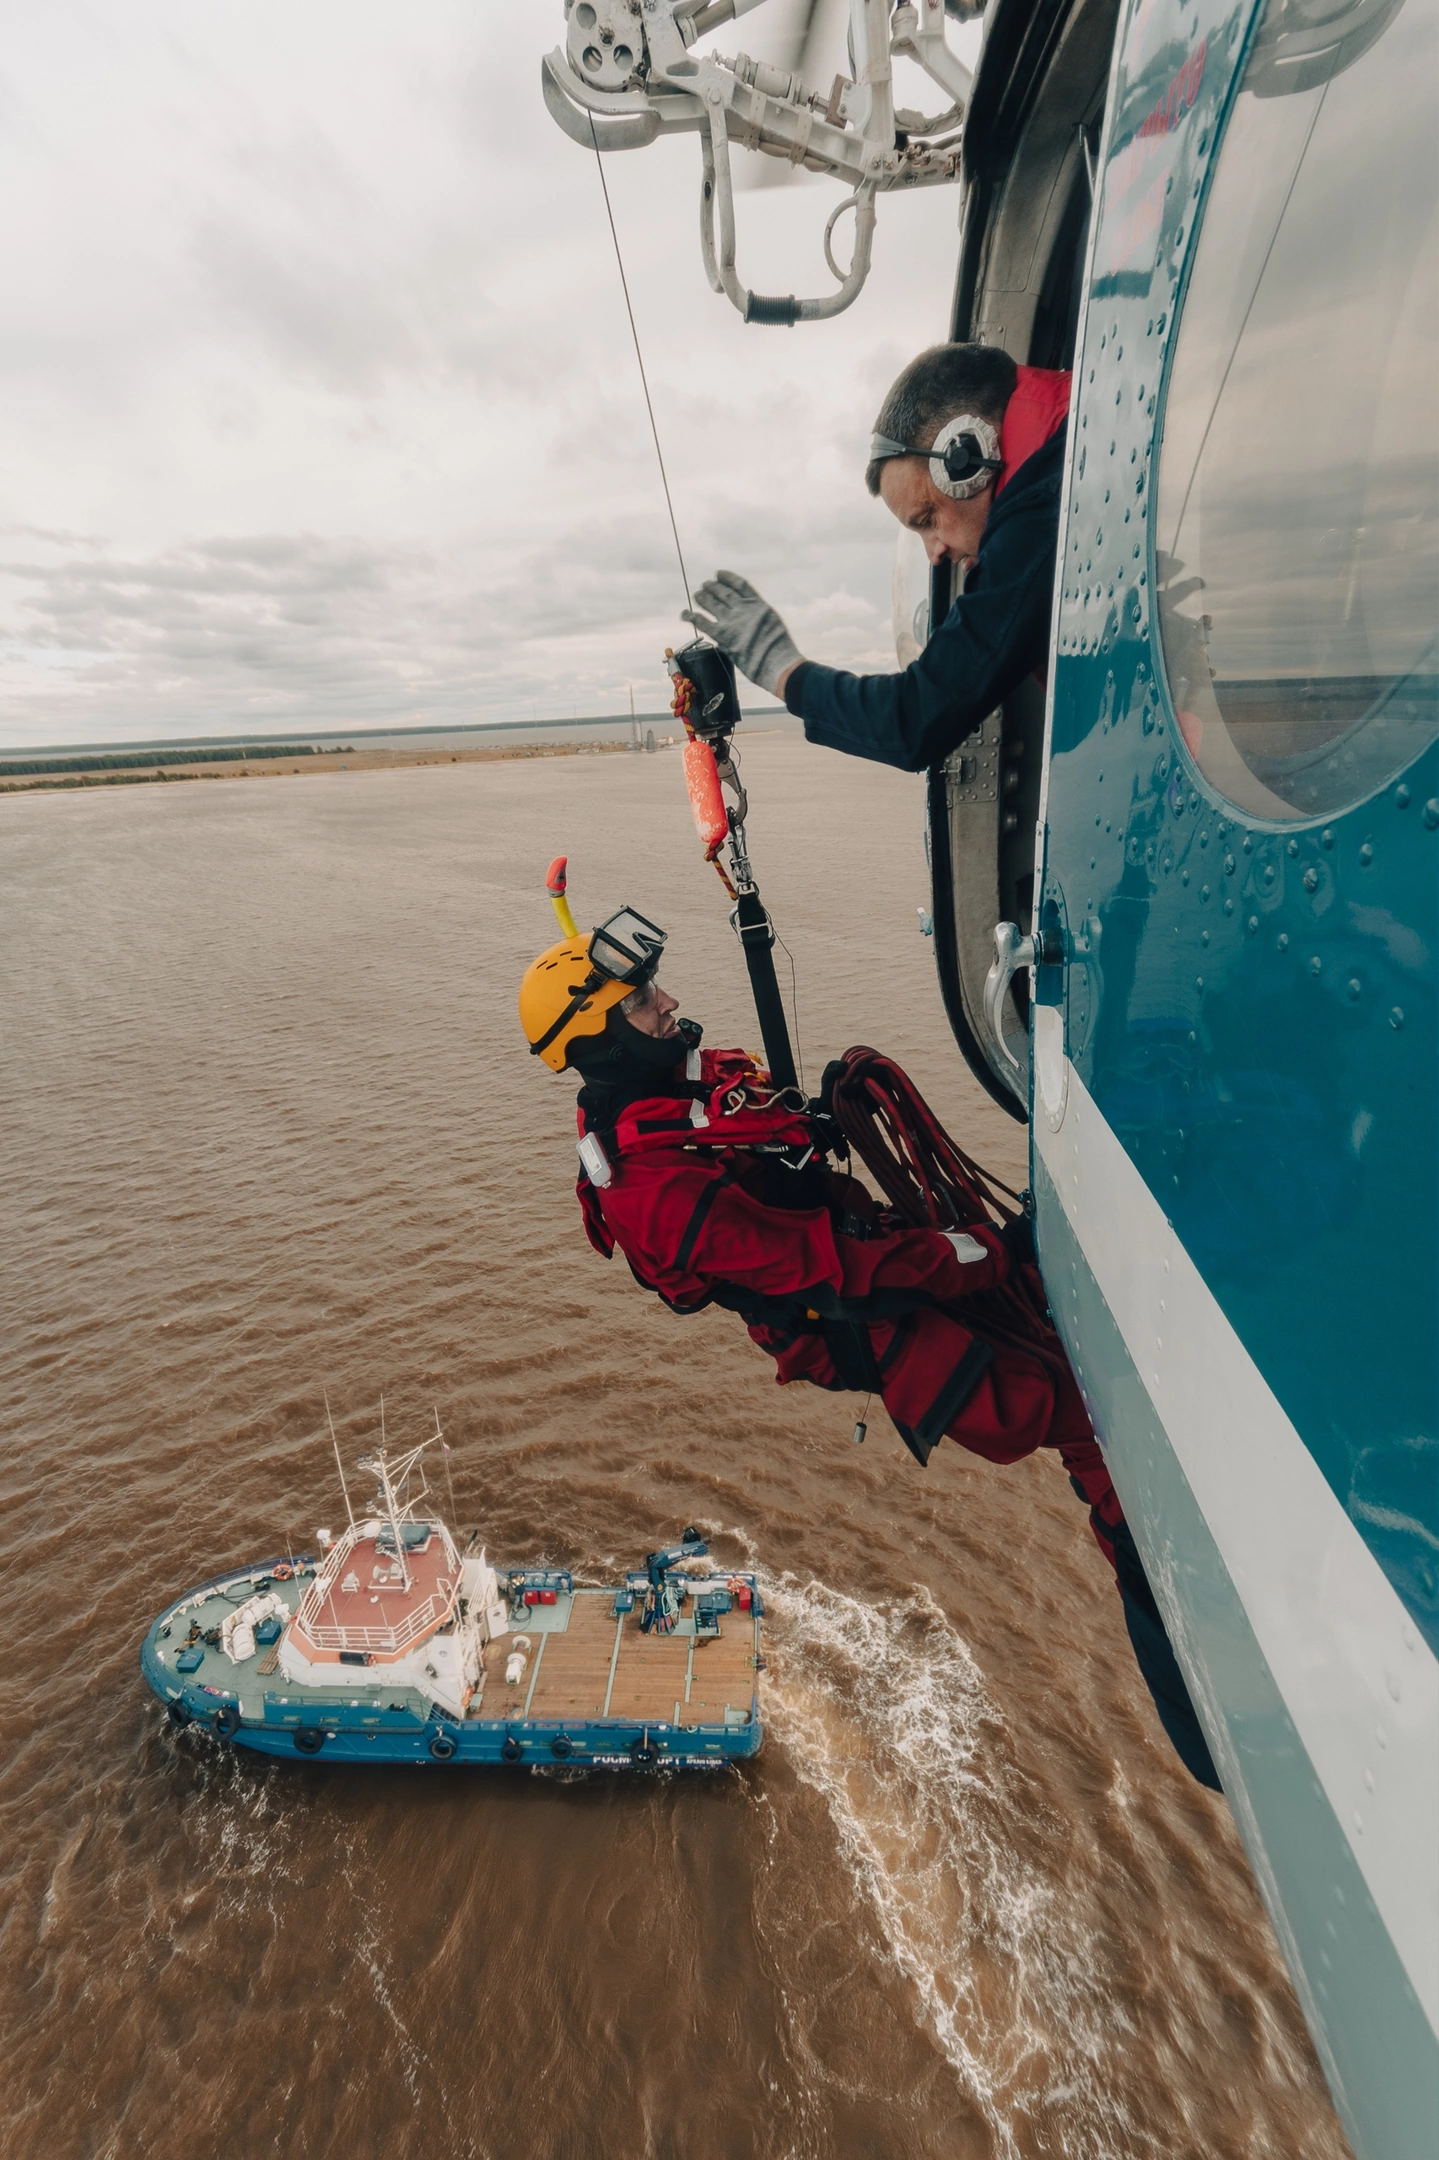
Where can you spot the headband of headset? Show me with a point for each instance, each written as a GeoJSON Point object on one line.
{"type": "Point", "coordinates": [961, 458]}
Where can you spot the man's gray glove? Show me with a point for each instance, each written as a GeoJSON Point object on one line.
{"type": "Point", "coordinates": [745, 627]}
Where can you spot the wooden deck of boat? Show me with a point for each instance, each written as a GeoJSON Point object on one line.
{"type": "Point", "coordinates": [602, 1666]}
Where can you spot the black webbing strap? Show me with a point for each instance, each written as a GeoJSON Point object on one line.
{"type": "Point", "coordinates": [898, 1340]}
{"type": "Point", "coordinates": [852, 1355]}
{"type": "Point", "coordinates": [585, 991]}
{"type": "Point", "coordinates": [699, 1218]}
{"type": "Point", "coordinates": [953, 1396]}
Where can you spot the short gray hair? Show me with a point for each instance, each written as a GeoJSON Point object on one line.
{"type": "Point", "coordinates": [943, 381]}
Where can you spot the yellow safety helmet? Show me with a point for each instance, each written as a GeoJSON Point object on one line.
{"type": "Point", "coordinates": [572, 988]}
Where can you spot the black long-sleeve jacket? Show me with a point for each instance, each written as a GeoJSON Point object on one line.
{"type": "Point", "coordinates": [996, 633]}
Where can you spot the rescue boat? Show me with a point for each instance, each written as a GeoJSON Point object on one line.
{"type": "Point", "coordinates": [391, 1644]}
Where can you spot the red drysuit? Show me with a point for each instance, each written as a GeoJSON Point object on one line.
{"type": "Point", "coordinates": [702, 1200]}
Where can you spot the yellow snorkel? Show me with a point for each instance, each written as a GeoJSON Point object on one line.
{"type": "Point", "coordinates": [556, 880]}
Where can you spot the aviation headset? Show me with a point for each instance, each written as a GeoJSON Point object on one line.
{"type": "Point", "coordinates": [961, 458]}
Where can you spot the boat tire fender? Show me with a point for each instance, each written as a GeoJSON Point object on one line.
{"type": "Point", "coordinates": [443, 1747]}
{"type": "Point", "coordinates": [226, 1721]}
{"type": "Point", "coordinates": [511, 1751]}
{"type": "Point", "coordinates": [562, 1746]}
{"type": "Point", "coordinates": [309, 1739]}
{"type": "Point", "coordinates": [178, 1715]}
{"type": "Point", "coordinates": [644, 1754]}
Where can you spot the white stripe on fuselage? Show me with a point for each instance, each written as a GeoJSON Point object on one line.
{"type": "Point", "coordinates": [1345, 1655]}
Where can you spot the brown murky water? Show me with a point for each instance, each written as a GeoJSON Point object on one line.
{"type": "Point", "coordinates": [269, 1128]}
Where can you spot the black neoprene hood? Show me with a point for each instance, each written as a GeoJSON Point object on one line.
{"type": "Point", "coordinates": [623, 1053]}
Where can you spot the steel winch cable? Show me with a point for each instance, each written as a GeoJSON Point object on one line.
{"type": "Point", "coordinates": [640, 358]}
{"type": "Point", "coordinates": [681, 704]}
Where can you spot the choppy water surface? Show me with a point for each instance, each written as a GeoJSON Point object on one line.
{"type": "Point", "coordinates": [269, 1128]}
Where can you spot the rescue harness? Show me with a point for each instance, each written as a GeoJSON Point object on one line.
{"type": "Point", "coordinates": [870, 1106]}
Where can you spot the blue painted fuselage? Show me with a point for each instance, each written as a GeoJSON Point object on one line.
{"type": "Point", "coordinates": [1234, 1026]}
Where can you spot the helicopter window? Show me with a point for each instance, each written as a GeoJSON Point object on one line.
{"type": "Point", "coordinates": [1297, 527]}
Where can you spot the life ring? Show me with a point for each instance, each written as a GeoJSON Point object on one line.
{"type": "Point", "coordinates": [281, 1571]}
{"type": "Point", "coordinates": [644, 1754]}
{"type": "Point", "coordinates": [562, 1746]}
{"type": "Point", "coordinates": [225, 1722]}
{"type": "Point", "coordinates": [309, 1739]}
{"type": "Point", "coordinates": [443, 1746]}
{"type": "Point", "coordinates": [511, 1751]}
{"type": "Point", "coordinates": [178, 1715]}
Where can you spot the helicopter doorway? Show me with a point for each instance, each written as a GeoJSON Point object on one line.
{"type": "Point", "coordinates": [1030, 148]}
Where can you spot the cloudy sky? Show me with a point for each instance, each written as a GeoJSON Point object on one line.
{"type": "Point", "coordinates": [320, 405]}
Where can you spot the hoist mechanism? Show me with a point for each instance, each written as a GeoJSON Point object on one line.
{"type": "Point", "coordinates": [626, 75]}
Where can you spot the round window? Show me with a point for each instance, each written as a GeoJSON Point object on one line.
{"type": "Point", "coordinates": [1297, 519]}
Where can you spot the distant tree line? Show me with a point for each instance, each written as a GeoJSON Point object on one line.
{"type": "Point", "coordinates": [115, 760]}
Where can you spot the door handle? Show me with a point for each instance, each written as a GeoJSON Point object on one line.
{"type": "Point", "coordinates": [1012, 951]}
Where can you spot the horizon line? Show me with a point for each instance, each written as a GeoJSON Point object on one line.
{"type": "Point", "coordinates": [317, 735]}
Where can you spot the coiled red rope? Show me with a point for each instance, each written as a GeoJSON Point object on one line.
{"type": "Point", "coordinates": [932, 1183]}
{"type": "Point", "coordinates": [926, 1176]}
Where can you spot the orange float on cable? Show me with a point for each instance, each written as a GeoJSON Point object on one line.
{"type": "Point", "coordinates": [706, 801]}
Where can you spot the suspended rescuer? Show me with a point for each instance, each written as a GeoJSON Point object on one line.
{"type": "Point", "coordinates": [712, 1188]}
{"type": "Point", "coordinates": [968, 452]}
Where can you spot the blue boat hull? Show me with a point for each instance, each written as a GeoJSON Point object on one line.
{"type": "Point", "coordinates": [360, 1720]}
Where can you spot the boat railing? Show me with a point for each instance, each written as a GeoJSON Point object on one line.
{"type": "Point", "coordinates": [335, 1636]}
{"type": "Point", "coordinates": [422, 1621]}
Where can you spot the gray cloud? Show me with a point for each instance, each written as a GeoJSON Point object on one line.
{"type": "Point", "coordinates": [323, 403]}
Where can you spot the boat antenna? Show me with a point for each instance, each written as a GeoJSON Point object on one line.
{"type": "Point", "coordinates": [387, 1493]}
{"type": "Point", "coordinates": [338, 1464]}
{"type": "Point", "coordinates": [449, 1474]}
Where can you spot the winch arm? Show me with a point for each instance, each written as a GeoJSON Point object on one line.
{"type": "Point", "coordinates": [626, 76]}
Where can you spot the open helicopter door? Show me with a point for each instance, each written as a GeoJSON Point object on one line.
{"type": "Point", "coordinates": [1030, 142]}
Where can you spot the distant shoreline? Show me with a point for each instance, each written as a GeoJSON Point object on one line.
{"type": "Point", "coordinates": [261, 763]}
{"type": "Point", "coordinates": [617, 727]}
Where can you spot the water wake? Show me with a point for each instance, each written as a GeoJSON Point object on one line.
{"type": "Point", "coordinates": [882, 1711]}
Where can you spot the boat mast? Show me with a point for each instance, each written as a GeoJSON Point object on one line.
{"type": "Point", "coordinates": [394, 1501]}
{"type": "Point", "coordinates": [381, 1469]}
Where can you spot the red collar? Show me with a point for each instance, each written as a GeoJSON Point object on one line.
{"type": "Point", "coordinates": [1037, 410]}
